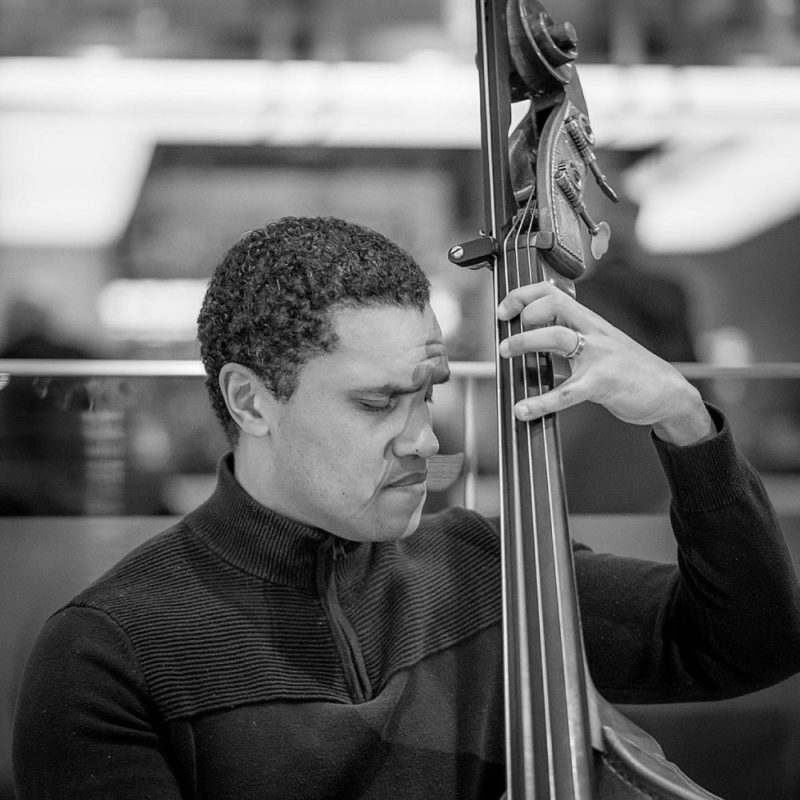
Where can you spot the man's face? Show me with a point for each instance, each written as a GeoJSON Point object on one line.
{"type": "Point", "coordinates": [348, 450]}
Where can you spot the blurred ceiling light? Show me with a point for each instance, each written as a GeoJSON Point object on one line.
{"type": "Point", "coordinates": [151, 310]}
{"type": "Point", "coordinates": [76, 135]}
{"type": "Point", "coordinates": [98, 51]}
{"type": "Point", "coordinates": [695, 200]}
{"type": "Point", "coordinates": [67, 181]}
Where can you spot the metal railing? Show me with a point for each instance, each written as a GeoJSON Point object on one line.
{"type": "Point", "coordinates": [166, 368]}
{"type": "Point", "coordinates": [466, 374]}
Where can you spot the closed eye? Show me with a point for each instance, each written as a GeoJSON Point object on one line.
{"type": "Point", "coordinates": [379, 406]}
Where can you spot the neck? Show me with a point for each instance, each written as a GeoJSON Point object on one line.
{"type": "Point", "coordinates": [254, 472]}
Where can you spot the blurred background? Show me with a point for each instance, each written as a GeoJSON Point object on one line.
{"type": "Point", "coordinates": [139, 139]}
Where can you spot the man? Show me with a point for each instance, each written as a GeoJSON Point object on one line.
{"type": "Point", "coordinates": [306, 633]}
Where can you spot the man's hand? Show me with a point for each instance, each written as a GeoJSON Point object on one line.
{"type": "Point", "coordinates": [612, 369]}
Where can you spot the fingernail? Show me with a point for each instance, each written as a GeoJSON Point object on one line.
{"type": "Point", "coordinates": [504, 351]}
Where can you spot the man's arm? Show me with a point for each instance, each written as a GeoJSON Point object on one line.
{"type": "Point", "coordinates": [727, 621]}
{"type": "Point", "coordinates": [84, 726]}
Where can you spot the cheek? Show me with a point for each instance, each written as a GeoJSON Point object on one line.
{"type": "Point", "coordinates": [354, 458]}
{"type": "Point", "coordinates": [363, 458]}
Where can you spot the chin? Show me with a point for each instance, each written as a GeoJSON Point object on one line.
{"type": "Point", "coordinates": [390, 527]}
{"type": "Point", "coordinates": [413, 522]}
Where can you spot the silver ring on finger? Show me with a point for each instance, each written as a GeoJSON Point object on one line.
{"type": "Point", "coordinates": [580, 343]}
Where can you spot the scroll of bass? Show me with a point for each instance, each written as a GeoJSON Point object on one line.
{"type": "Point", "coordinates": [564, 742]}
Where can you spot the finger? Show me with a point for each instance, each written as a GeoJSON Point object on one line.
{"type": "Point", "coordinates": [564, 396]}
{"type": "Point", "coordinates": [543, 305]}
{"type": "Point", "coordinates": [517, 299]}
{"type": "Point", "coordinates": [551, 339]}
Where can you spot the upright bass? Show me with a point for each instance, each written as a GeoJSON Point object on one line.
{"type": "Point", "coordinates": [563, 741]}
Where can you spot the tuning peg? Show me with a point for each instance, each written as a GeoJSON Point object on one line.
{"type": "Point", "coordinates": [582, 135]}
{"type": "Point", "coordinates": [569, 181]}
{"type": "Point", "coordinates": [601, 236]}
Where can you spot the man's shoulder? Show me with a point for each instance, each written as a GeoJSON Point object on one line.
{"type": "Point", "coordinates": [152, 569]}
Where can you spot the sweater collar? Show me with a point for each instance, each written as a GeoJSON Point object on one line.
{"type": "Point", "coordinates": [257, 540]}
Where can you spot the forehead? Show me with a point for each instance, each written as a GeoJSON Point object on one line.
{"type": "Point", "coordinates": [386, 344]}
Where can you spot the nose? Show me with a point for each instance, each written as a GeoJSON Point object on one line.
{"type": "Point", "coordinates": [417, 437]}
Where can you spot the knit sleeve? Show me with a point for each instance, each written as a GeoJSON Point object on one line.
{"type": "Point", "coordinates": [84, 727]}
{"type": "Point", "coordinates": [726, 621]}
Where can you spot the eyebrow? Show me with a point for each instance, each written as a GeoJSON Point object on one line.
{"type": "Point", "coordinates": [437, 378]}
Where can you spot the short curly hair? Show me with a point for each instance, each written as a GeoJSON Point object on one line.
{"type": "Point", "coordinates": [269, 302]}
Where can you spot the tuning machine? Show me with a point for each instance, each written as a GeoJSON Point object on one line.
{"type": "Point", "coordinates": [568, 178]}
{"type": "Point", "coordinates": [581, 133]}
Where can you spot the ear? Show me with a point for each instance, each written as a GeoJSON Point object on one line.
{"type": "Point", "coordinates": [249, 402]}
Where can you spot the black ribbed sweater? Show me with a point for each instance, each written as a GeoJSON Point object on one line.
{"type": "Point", "coordinates": [242, 655]}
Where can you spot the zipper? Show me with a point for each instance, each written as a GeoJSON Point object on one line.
{"type": "Point", "coordinates": [344, 636]}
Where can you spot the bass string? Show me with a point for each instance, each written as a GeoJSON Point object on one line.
{"type": "Point", "coordinates": [516, 577]}
{"type": "Point", "coordinates": [545, 428]}
{"type": "Point", "coordinates": [527, 272]}
{"type": "Point", "coordinates": [524, 272]}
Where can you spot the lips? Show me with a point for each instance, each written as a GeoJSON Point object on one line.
{"type": "Point", "coordinates": [410, 479]}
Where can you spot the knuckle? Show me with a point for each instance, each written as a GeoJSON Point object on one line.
{"type": "Point", "coordinates": [528, 317]}
{"type": "Point", "coordinates": [560, 300]}
{"type": "Point", "coordinates": [565, 395]}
